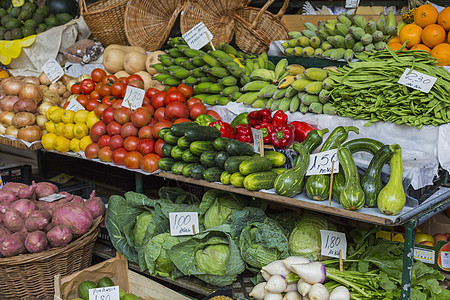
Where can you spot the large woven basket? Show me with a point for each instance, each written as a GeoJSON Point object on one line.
{"type": "Point", "coordinates": [148, 23]}
{"type": "Point", "coordinates": [216, 14]}
{"type": "Point", "coordinates": [30, 276]}
{"type": "Point", "coordinates": [256, 28]}
{"type": "Point", "coordinates": [104, 19]}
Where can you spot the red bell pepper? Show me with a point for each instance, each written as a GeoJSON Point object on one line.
{"type": "Point", "coordinates": [226, 130]}
{"type": "Point", "coordinates": [266, 129]}
{"type": "Point", "coordinates": [279, 118]}
{"type": "Point", "coordinates": [301, 130]}
{"type": "Point", "coordinates": [259, 116]}
{"type": "Point", "coordinates": [283, 136]}
{"type": "Point", "coordinates": [244, 133]}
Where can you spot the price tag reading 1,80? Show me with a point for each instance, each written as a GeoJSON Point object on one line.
{"type": "Point", "coordinates": [332, 243]}
{"type": "Point", "coordinates": [417, 80]}
{"type": "Point", "coordinates": [53, 70]}
{"type": "Point", "coordinates": [133, 97]}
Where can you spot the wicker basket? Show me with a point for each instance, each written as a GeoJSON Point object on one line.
{"type": "Point", "coordinates": [216, 14]}
{"type": "Point", "coordinates": [104, 19]}
{"type": "Point", "coordinates": [30, 276]}
{"type": "Point", "coordinates": [148, 23]}
{"type": "Point", "coordinates": [255, 28]}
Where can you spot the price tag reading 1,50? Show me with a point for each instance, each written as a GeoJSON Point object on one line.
{"type": "Point", "coordinates": [321, 163]}
{"type": "Point", "coordinates": [417, 80]}
{"type": "Point", "coordinates": [104, 293]}
{"type": "Point", "coordinates": [133, 97]}
{"type": "Point", "coordinates": [332, 243]}
{"type": "Point", "coordinates": [53, 70]}
{"type": "Point", "coordinates": [183, 223]}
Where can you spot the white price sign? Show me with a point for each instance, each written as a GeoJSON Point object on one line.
{"type": "Point", "coordinates": [198, 36]}
{"type": "Point", "coordinates": [321, 163]}
{"type": "Point", "coordinates": [258, 144]}
{"type": "Point", "coordinates": [332, 243]}
{"type": "Point", "coordinates": [417, 80]}
{"type": "Point", "coordinates": [74, 105]}
{"type": "Point", "coordinates": [183, 223]}
{"type": "Point", "coordinates": [53, 70]}
{"type": "Point", "coordinates": [104, 293]}
{"type": "Point", "coordinates": [133, 97]}
{"type": "Point", "coordinates": [351, 3]}
{"type": "Point", "coordinates": [52, 197]}
{"type": "Point", "coordinates": [1, 182]}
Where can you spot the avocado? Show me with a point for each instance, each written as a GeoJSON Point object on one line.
{"type": "Point", "coordinates": [51, 21]}
{"type": "Point", "coordinates": [3, 12]}
{"type": "Point", "coordinates": [9, 10]}
{"type": "Point", "coordinates": [2, 29]}
{"type": "Point", "coordinates": [26, 31]}
{"type": "Point", "coordinates": [63, 18]}
{"type": "Point", "coordinates": [16, 34]}
{"type": "Point", "coordinates": [25, 15]}
{"type": "Point", "coordinates": [29, 6]}
{"type": "Point", "coordinates": [6, 19]}
{"type": "Point", "coordinates": [38, 17]}
{"type": "Point", "coordinates": [30, 23]}
{"type": "Point", "coordinates": [43, 9]}
{"type": "Point", "coordinates": [12, 23]}
{"type": "Point", "coordinates": [7, 35]}
{"type": "Point", "coordinates": [42, 26]}
{"type": "Point", "coordinates": [15, 11]}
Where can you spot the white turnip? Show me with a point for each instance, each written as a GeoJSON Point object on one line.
{"type": "Point", "coordinates": [258, 291]}
{"type": "Point", "coordinates": [303, 287]}
{"type": "Point", "coordinates": [265, 275]}
{"type": "Point", "coordinates": [36, 242]}
{"type": "Point", "coordinates": [294, 260]}
{"type": "Point", "coordinates": [276, 284]}
{"type": "Point", "coordinates": [340, 293]}
{"type": "Point", "coordinates": [276, 268]}
{"type": "Point", "coordinates": [291, 287]}
{"type": "Point", "coordinates": [313, 272]}
{"type": "Point", "coordinates": [318, 292]}
{"type": "Point", "coordinates": [272, 296]}
{"type": "Point", "coordinates": [292, 295]}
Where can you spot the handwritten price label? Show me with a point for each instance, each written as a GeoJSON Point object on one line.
{"type": "Point", "coordinates": [417, 80]}
{"type": "Point", "coordinates": [74, 105]}
{"type": "Point", "coordinates": [105, 293]}
{"type": "Point", "coordinates": [351, 3]}
{"type": "Point", "coordinates": [1, 182]}
{"type": "Point", "coordinates": [183, 223]}
{"type": "Point", "coordinates": [321, 163]}
{"type": "Point", "coordinates": [53, 70]}
{"type": "Point", "coordinates": [133, 97]}
{"type": "Point", "coordinates": [257, 137]}
{"type": "Point", "coordinates": [332, 243]}
{"type": "Point", "coordinates": [198, 36]}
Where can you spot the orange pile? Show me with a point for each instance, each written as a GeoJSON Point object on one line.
{"type": "Point", "coordinates": [430, 31]}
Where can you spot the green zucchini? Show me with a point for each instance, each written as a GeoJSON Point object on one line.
{"type": "Point", "coordinates": [221, 158]}
{"type": "Point", "coordinates": [352, 195]}
{"type": "Point", "coordinates": [167, 149]}
{"type": "Point", "coordinates": [317, 187]}
{"type": "Point", "coordinates": [208, 159]}
{"type": "Point", "coordinates": [166, 163]}
{"type": "Point", "coordinates": [162, 132]}
{"type": "Point", "coordinates": [338, 185]}
{"type": "Point", "coordinates": [170, 138]}
{"type": "Point", "coordinates": [220, 143]}
{"type": "Point", "coordinates": [363, 144]}
{"type": "Point", "coordinates": [180, 128]}
{"type": "Point", "coordinates": [225, 177]}
{"type": "Point", "coordinates": [313, 139]}
{"type": "Point", "coordinates": [277, 158]}
{"type": "Point", "coordinates": [198, 147]}
{"type": "Point", "coordinates": [187, 169]}
{"type": "Point", "coordinates": [255, 164]}
{"type": "Point", "coordinates": [235, 147]}
{"type": "Point", "coordinates": [371, 181]}
{"type": "Point", "coordinates": [183, 143]}
{"type": "Point", "coordinates": [278, 170]}
{"type": "Point", "coordinates": [232, 163]}
{"type": "Point", "coordinates": [196, 171]}
{"type": "Point", "coordinates": [202, 133]}
{"type": "Point", "coordinates": [260, 180]}
{"type": "Point", "coordinates": [177, 167]}
{"type": "Point", "coordinates": [337, 137]}
{"type": "Point", "coordinates": [237, 179]}
{"type": "Point", "coordinates": [176, 153]}
{"type": "Point", "coordinates": [212, 174]}
{"type": "Point", "coordinates": [189, 157]}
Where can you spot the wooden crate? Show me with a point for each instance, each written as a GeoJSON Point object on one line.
{"type": "Point", "coordinates": [117, 269]}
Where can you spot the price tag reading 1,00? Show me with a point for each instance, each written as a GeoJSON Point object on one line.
{"type": "Point", "coordinates": [332, 243]}
{"type": "Point", "coordinates": [183, 223]}
{"type": "Point", "coordinates": [53, 70]}
{"type": "Point", "coordinates": [417, 80]}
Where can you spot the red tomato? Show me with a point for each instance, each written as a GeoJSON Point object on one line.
{"type": "Point", "coordinates": [91, 104]}
{"type": "Point", "coordinates": [122, 79]}
{"type": "Point", "coordinates": [174, 96]}
{"type": "Point", "coordinates": [157, 99]}
{"type": "Point", "coordinates": [149, 107]}
{"type": "Point", "coordinates": [136, 83]}
{"type": "Point", "coordinates": [150, 92]}
{"type": "Point", "coordinates": [214, 114]}
{"type": "Point", "coordinates": [109, 79]}
{"type": "Point", "coordinates": [187, 91]}
{"type": "Point", "coordinates": [158, 147]}
{"type": "Point", "coordinates": [98, 74]}
{"type": "Point", "coordinates": [117, 89]}
{"type": "Point", "coordinates": [83, 99]}
{"type": "Point", "coordinates": [149, 163]}
{"type": "Point", "coordinates": [132, 159]}
{"type": "Point", "coordinates": [146, 146]}
{"type": "Point", "coordinates": [98, 86]}
{"type": "Point", "coordinates": [192, 101]}
{"type": "Point", "coordinates": [160, 114]}
{"type": "Point", "coordinates": [118, 155]}
{"type": "Point", "coordinates": [87, 86]}
{"type": "Point", "coordinates": [131, 143]}
{"type": "Point", "coordinates": [66, 104]}
{"type": "Point", "coordinates": [117, 104]}
{"type": "Point", "coordinates": [196, 110]}
{"type": "Point", "coordinates": [75, 89]}
{"type": "Point", "coordinates": [95, 95]}
{"type": "Point", "coordinates": [181, 120]}
{"type": "Point", "coordinates": [171, 89]}
{"type": "Point", "coordinates": [157, 127]}
{"type": "Point", "coordinates": [105, 90]}
{"type": "Point", "coordinates": [134, 77]}
{"type": "Point", "coordinates": [108, 100]}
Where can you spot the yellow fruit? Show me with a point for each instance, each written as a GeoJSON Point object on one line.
{"type": "Point", "coordinates": [386, 235]}
{"type": "Point", "coordinates": [68, 131]}
{"type": "Point", "coordinates": [80, 116]}
{"type": "Point", "coordinates": [84, 142]}
{"type": "Point", "coordinates": [91, 119]}
{"type": "Point", "coordinates": [398, 238]}
{"type": "Point", "coordinates": [50, 110]}
{"type": "Point", "coordinates": [423, 237]}
{"type": "Point", "coordinates": [67, 116]}
{"type": "Point", "coordinates": [56, 115]}
{"type": "Point", "coordinates": [48, 140]}
{"type": "Point", "coordinates": [59, 128]}
{"type": "Point", "coordinates": [74, 145]}
{"type": "Point", "coordinates": [50, 126]}
{"type": "Point", "coordinates": [61, 144]}
{"type": "Point", "coordinates": [80, 130]}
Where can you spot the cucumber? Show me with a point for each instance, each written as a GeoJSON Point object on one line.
{"type": "Point", "coordinates": [255, 164]}
{"type": "Point", "coordinates": [235, 147]}
{"type": "Point", "coordinates": [196, 171]}
{"type": "Point", "coordinates": [208, 159]}
{"type": "Point", "coordinates": [180, 128]}
{"type": "Point", "coordinates": [220, 143]}
{"type": "Point", "coordinates": [237, 179]}
{"type": "Point", "coordinates": [170, 138]}
{"type": "Point", "coordinates": [189, 157]}
{"type": "Point", "coordinates": [260, 180]}
{"type": "Point", "coordinates": [278, 170]}
{"type": "Point", "coordinates": [225, 177]}
{"type": "Point", "coordinates": [166, 163]}
{"type": "Point", "coordinates": [187, 169]}
{"type": "Point", "coordinates": [277, 158]}
{"type": "Point", "coordinates": [212, 174]}
{"type": "Point", "coordinates": [183, 143]}
{"type": "Point", "coordinates": [232, 163]}
{"type": "Point", "coordinates": [202, 133]}
{"type": "Point", "coordinates": [167, 149]}
{"type": "Point", "coordinates": [221, 158]}
{"type": "Point", "coordinates": [162, 132]}
{"type": "Point", "coordinates": [177, 167]}
{"type": "Point", "coordinates": [198, 147]}
{"type": "Point", "coordinates": [177, 153]}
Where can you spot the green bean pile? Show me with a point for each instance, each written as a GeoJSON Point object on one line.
{"type": "Point", "coordinates": [369, 90]}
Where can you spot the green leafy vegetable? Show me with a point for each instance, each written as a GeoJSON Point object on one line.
{"type": "Point", "coordinates": [156, 252]}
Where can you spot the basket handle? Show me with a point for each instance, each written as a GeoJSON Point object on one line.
{"type": "Point", "coordinates": [260, 13]}
{"type": "Point", "coordinates": [280, 14]}
{"type": "Point", "coordinates": [83, 6]}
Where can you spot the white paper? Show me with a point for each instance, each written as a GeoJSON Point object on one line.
{"type": "Point", "coordinates": [1, 182]}
{"type": "Point", "coordinates": [417, 80]}
{"type": "Point", "coordinates": [351, 3]}
{"type": "Point", "coordinates": [257, 136]}
{"type": "Point", "coordinates": [183, 223]}
{"type": "Point", "coordinates": [332, 243]}
{"type": "Point", "coordinates": [321, 163]}
{"type": "Point", "coordinates": [198, 36]}
{"type": "Point", "coordinates": [74, 105]}
{"type": "Point", "coordinates": [133, 97]}
{"type": "Point", "coordinates": [52, 197]}
{"type": "Point", "coordinates": [53, 70]}
{"type": "Point", "coordinates": [104, 293]}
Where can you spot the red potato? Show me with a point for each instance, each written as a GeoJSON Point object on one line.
{"type": "Point", "coordinates": [25, 206]}
{"type": "Point", "coordinates": [77, 199]}
{"type": "Point", "coordinates": [59, 236]}
{"type": "Point", "coordinates": [36, 242]}
{"type": "Point", "coordinates": [68, 197]}
{"type": "Point", "coordinates": [27, 193]}
{"type": "Point", "coordinates": [14, 187]}
{"type": "Point", "coordinates": [13, 245]}
{"type": "Point", "coordinates": [37, 220]}
{"type": "Point", "coordinates": [44, 189]}
{"type": "Point", "coordinates": [75, 216]}
{"type": "Point", "coordinates": [49, 227]}
{"type": "Point", "coordinates": [4, 232]}
{"type": "Point", "coordinates": [95, 205]}
{"type": "Point", "coordinates": [7, 196]}
{"type": "Point", "coordinates": [13, 220]}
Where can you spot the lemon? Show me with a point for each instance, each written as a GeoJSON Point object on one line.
{"type": "Point", "coordinates": [50, 110]}
{"type": "Point", "coordinates": [50, 126]}
{"type": "Point", "coordinates": [59, 128]}
{"type": "Point", "coordinates": [68, 131]}
{"type": "Point", "coordinates": [80, 130]}
{"type": "Point", "coordinates": [398, 237]}
{"type": "Point", "coordinates": [383, 235]}
{"type": "Point", "coordinates": [80, 116]}
{"type": "Point", "coordinates": [74, 145]}
{"type": "Point", "coordinates": [84, 287]}
{"type": "Point", "coordinates": [62, 144]}
{"type": "Point", "coordinates": [47, 140]}
{"type": "Point", "coordinates": [91, 119]}
{"type": "Point", "coordinates": [129, 297]}
{"type": "Point", "coordinates": [67, 116]}
{"type": "Point", "coordinates": [121, 292]}
{"type": "Point", "coordinates": [56, 114]}
{"type": "Point", "coordinates": [85, 141]}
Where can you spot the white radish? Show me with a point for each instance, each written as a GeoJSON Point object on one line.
{"type": "Point", "coordinates": [306, 297]}
{"type": "Point", "coordinates": [303, 287]}
{"type": "Point", "coordinates": [276, 284]}
{"type": "Point", "coordinates": [291, 287]}
{"type": "Point", "coordinates": [265, 275]}
{"type": "Point", "coordinates": [289, 261]}
{"type": "Point", "coordinates": [292, 295]}
{"type": "Point", "coordinates": [272, 296]}
{"type": "Point", "coordinates": [318, 292]}
{"type": "Point", "coordinates": [313, 272]}
{"type": "Point", "coordinates": [258, 291]}
{"type": "Point", "coordinates": [276, 268]}
{"type": "Point", "coordinates": [340, 293]}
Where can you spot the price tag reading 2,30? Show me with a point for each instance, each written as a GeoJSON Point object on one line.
{"type": "Point", "coordinates": [104, 293]}
{"type": "Point", "coordinates": [332, 243]}
{"type": "Point", "coordinates": [53, 70]}
{"type": "Point", "coordinates": [320, 163]}
{"type": "Point", "coordinates": [417, 80]}
{"type": "Point", "coordinates": [198, 36]}
{"type": "Point", "coordinates": [183, 223]}
{"type": "Point", "coordinates": [133, 97]}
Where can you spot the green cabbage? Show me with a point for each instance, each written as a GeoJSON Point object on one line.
{"type": "Point", "coordinates": [213, 259]}
{"type": "Point", "coordinates": [142, 222]}
{"type": "Point", "coordinates": [156, 252]}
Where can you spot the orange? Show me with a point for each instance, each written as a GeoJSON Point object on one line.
{"type": "Point", "coordinates": [433, 35]}
{"type": "Point", "coordinates": [395, 39]}
{"type": "Point", "coordinates": [420, 47]}
{"type": "Point", "coordinates": [395, 46]}
{"type": "Point", "coordinates": [442, 53]}
{"type": "Point", "coordinates": [410, 34]}
{"type": "Point", "coordinates": [444, 18]}
{"type": "Point", "coordinates": [425, 15]}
